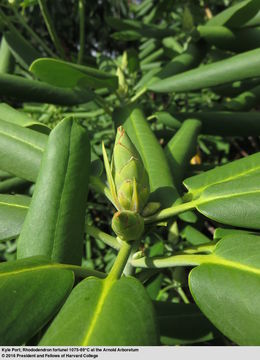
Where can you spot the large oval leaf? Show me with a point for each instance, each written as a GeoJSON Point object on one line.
{"type": "Point", "coordinates": [65, 74]}
{"type": "Point", "coordinates": [13, 209]}
{"type": "Point", "coordinates": [31, 292]}
{"type": "Point", "coordinates": [9, 114]}
{"type": "Point", "coordinates": [225, 123]}
{"type": "Point", "coordinates": [104, 312]}
{"type": "Point", "coordinates": [21, 150]}
{"type": "Point", "coordinates": [181, 148]}
{"type": "Point", "coordinates": [226, 288]}
{"type": "Point", "coordinates": [54, 225]}
{"type": "Point", "coordinates": [230, 193]}
{"type": "Point", "coordinates": [22, 89]}
{"type": "Point", "coordinates": [221, 72]}
{"type": "Point", "coordinates": [236, 15]}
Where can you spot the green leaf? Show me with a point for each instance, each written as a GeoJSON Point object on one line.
{"type": "Point", "coordinates": [69, 75]}
{"type": "Point", "coordinates": [229, 194]}
{"type": "Point", "coordinates": [104, 312]}
{"type": "Point", "coordinates": [221, 72]}
{"type": "Point", "coordinates": [226, 39]}
{"type": "Point", "coordinates": [21, 49]}
{"type": "Point", "coordinates": [226, 288]}
{"type": "Point", "coordinates": [9, 114]}
{"type": "Point", "coordinates": [54, 225]}
{"type": "Point", "coordinates": [21, 150]}
{"type": "Point", "coordinates": [7, 62]}
{"type": "Point", "coordinates": [31, 292]}
{"type": "Point", "coordinates": [181, 148]}
{"type": "Point", "coordinates": [225, 123]}
{"type": "Point", "coordinates": [236, 15]}
{"type": "Point", "coordinates": [180, 63]}
{"type": "Point", "coordinates": [13, 209]}
{"type": "Point", "coordinates": [182, 324]}
{"type": "Point", "coordinates": [161, 183]}
{"type": "Point", "coordinates": [22, 89]}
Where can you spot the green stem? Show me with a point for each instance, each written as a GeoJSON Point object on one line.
{"type": "Point", "coordinates": [129, 269]}
{"type": "Point", "coordinates": [138, 94]}
{"type": "Point", "coordinates": [169, 212]}
{"type": "Point", "coordinates": [51, 29]}
{"type": "Point", "coordinates": [182, 295]}
{"type": "Point", "coordinates": [81, 31]}
{"type": "Point", "coordinates": [206, 248]}
{"type": "Point", "coordinates": [32, 33]}
{"type": "Point", "coordinates": [120, 261]}
{"type": "Point", "coordinates": [171, 261]}
{"type": "Point", "coordinates": [100, 235]}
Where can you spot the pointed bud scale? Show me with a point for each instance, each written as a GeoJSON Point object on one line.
{"type": "Point", "coordinates": [130, 177]}
{"type": "Point", "coordinates": [127, 225]}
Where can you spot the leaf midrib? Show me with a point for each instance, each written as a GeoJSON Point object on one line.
{"type": "Point", "coordinates": [21, 140]}
{"type": "Point", "coordinates": [14, 205]}
{"type": "Point", "coordinates": [106, 286]}
{"type": "Point", "coordinates": [198, 191]}
{"type": "Point", "coordinates": [203, 201]}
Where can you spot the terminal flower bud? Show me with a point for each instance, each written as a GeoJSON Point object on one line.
{"type": "Point", "coordinates": [128, 225]}
{"type": "Point", "coordinates": [130, 177]}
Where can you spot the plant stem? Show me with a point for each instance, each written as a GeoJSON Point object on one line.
{"type": "Point", "coordinates": [171, 261]}
{"type": "Point", "coordinates": [138, 94]}
{"type": "Point", "coordinates": [129, 269]}
{"type": "Point", "coordinates": [100, 235]}
{"type": "Point", "coordinates": [120, 261]}
{"type": "Point", "coordinates": [81, 31]}
{"type": "Point", "coordinates": [51, 29]}
{"type": "Point", "coordinates": [169, 212]}
{"type": "Point", "coordinates": [32, 33]}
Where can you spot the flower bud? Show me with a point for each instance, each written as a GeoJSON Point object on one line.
{"type": "Point", "coordinates": [130, 177]}
{"type": "Point", "coordinates": [128, 225]}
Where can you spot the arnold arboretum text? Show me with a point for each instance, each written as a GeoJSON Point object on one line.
{"type": "Point", "coordinates": [130, 172]}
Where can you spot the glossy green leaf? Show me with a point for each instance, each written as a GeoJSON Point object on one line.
{"type": "Point", "coordinates": [226, 39]}
{"type": "Point", "coordinates": [104, 312]}
{"type": "Point", "coordinates": [229, 194]}
{"type": "Point", "coordinates": [236, 15]}
{"type": "Point", "coordinates": [221, 72]}
{"type": "Point", "coordinates": [140, 133]}
{"type": "Point", "coordinates": [7, 62]}
{"type": "Point", "coordinates": [225, 123]}
{"type": "Point", "coordinates": [31, 292]}
{"type": "Point", "coordinates": [9, 114]}
{"type": "Point", "coordinates": [167, 119]}
{"type": "Point", "coordinates": [226, 288]}
{"type": "Point", "coordinates": [22, 89]}
{"type": "Point", "coordinates": [21, 150]}
{"type": "Point", "coordinates": [54, 225]}
{"type": "Point", "coordinates": [181, 148]}
{"type": "Point", "coordinates": [180, 63]}
{"type": "Point", "coordinates": [13, 209]}
{"type": "Point", "coordinates": [69, 75]}
{"type": "Point", "coordinates": [182, 324]}
{"type": "Point", "coordinates": [194, 236]}
{"type": "Point", "coordinates": [21, 49]}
